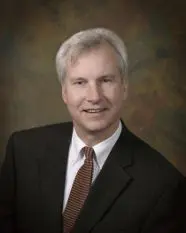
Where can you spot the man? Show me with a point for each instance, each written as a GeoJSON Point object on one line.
{"type": "Point", "coordinates": [91, 175]}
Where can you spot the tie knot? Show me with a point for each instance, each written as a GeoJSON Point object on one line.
{"type": "Point", "coordinates": [88, 151]}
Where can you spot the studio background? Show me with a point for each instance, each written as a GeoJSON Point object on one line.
{"type": "Point", "coordinates": [155, 34]}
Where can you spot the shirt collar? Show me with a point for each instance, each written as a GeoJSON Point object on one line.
{"type": "Point", "coordinates": [101, 149]}
{"type": "Point", "coordinates": [77, 144]}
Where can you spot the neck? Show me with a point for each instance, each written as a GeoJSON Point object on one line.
{"type": "Point", "coordinates": [91, 138]}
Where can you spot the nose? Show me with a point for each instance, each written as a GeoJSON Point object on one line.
{"type": "Point", "coordinates": [94, 93]}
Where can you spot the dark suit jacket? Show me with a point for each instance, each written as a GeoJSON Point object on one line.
{"type": "Point", "coordinates": [137, 191]}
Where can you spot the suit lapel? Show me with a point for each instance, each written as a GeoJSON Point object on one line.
{"type": "Point", "coordinates": [52, 176]}
{"type": "Point", "coordinates": [109, 184]}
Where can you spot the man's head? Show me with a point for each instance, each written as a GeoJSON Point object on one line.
{"type": "Point", "coordinates": [92, 69]}
{"type": "Point", "coordinates": [85, 40]}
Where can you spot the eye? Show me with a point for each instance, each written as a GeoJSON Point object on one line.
{"type": "Point", "coordinates": [79, 82]}
{"type": "Point", "coordinates": [107, 80]}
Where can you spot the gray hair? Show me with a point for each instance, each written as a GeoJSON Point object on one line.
{"type": "Point", "coordinates": [88, 39]}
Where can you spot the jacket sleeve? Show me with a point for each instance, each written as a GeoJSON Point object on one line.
{"type": "Point", "coordinates": [8, 191]}
{"type": "Point", "coordinates": [169, 213]}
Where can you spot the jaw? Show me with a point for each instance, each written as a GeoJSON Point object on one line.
{"type": "Point", "coordinates": [95, 129]}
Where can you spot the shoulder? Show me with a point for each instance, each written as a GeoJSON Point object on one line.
{"type": "Point", "coordinates": [41, 135]}
{"type": "Point", "coordinates": [148, 162]}
{"type": "Point", "coordinates": [40, 130]}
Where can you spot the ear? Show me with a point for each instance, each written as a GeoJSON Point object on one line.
{"type": "Point", "coordinates": [125, 89]}
{"type": "Point", "coordinates": [63, 93]}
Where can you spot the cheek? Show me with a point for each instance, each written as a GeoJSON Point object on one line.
{"type": "Point", "coordinates": [115, 94]}
{"type": "Point", "coordinates": [74, 99]}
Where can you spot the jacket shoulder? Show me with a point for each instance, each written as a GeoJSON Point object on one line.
{"type": "Point", "coordinates": [44, 130]}
{"type": "Point", "coordinates": [41, 136]}
{"type": "Point", "coordinates": [154, 164]}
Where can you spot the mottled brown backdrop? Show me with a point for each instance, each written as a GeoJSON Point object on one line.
{"type": "Point", "coordinates": [155, 34]}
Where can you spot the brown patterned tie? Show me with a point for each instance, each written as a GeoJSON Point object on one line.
{"type": "Point", "coordinates": [79, 191]}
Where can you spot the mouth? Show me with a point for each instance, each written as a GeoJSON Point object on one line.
{"type": "Point", "coordinates": [94, 110]}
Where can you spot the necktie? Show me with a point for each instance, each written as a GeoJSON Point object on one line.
{"type": "Point", "coordinates": [79, 191]}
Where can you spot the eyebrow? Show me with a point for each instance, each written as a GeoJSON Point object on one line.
{"type": "Point", "coordinates": [107, 76]}
{"type": "Point", "coordinates": [77, 79]}
{"type": "Point", "coordinates": [99, 78]}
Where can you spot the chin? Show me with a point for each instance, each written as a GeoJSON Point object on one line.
{"type": "Point", "coordinates": [96, 126]}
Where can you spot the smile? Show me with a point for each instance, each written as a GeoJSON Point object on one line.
{"type": "Point", "coordinates": [94, 110]}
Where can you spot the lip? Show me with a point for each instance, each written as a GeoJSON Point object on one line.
{"type": "Point", "coordinates": [97, 110]}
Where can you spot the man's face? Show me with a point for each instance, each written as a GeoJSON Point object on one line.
{"type": "Point", "coordinates": [93, 91]}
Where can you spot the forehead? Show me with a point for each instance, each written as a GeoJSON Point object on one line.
{"type": "Point", "coordinates": [103, 57]}
{"type": "Point", "coordinates": [83, 50]}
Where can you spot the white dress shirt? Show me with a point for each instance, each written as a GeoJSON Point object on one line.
{"type": "Point", "coordinates": [76, 159]}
